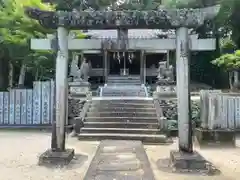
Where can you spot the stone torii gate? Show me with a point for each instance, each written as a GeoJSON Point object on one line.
{"type": "Point", "coordinates": [179, 19]}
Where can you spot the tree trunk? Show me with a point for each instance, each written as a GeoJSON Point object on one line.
{"type": "Point", "coordinates": [22, 74]}
{"type": "Point", "coordinates": [236, 79]}
{"type": "Point", "coordinates": [230, 77]}
{"type": "Point", "coordinates": [10, 75]}
{"type": "Point", "coordinates": [2, 74]}
{"type": "Point", "coordinates": [36, 75]}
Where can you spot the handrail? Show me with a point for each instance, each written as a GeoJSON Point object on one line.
{"type": "Point", "coordinates": [101, 91]}
{"type": "Point", "coordinates": [146, 91]}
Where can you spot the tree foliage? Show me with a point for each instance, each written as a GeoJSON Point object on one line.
{"type": "Point", "coordinates": [228, 62]}
{"type": "Point", "coordinates": [17, 30]}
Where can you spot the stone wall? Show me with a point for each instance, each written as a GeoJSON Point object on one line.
{"type": "Point", "coordinates": [220, 110]}
{"type": "Point", "coordinates": [75, 106]}
{"type": "Point", "coordinates": [169, 108]}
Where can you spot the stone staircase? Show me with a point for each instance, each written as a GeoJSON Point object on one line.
{"type": "Point", "coordinates": [124, 80]}
{"type": "Point", "coordinates": [121, 119]}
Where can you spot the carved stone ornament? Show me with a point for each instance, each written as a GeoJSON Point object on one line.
{"type": "Point", "coordinates": [48, 19]}
{"type": "Point", "coordinates": [159, 19]}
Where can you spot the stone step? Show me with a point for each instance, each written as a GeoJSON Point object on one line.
{"type": "Point", "coordinates": [121, 109]}
{"type": "Point", "coordinates": [105, 124]}
{"type": "Point", "coordinates": [122, 101]}
{"type": "Point", "coordinates": [121, 114]}
{"type": "Point", "coordinates": [122, 92]}
{"type": "Point", "coordinates": [124, 77]}
{"type": "Point", "coordinates": [120, 130]}
{"type": "Point", "coordinates": [152, 138]}
{"type": "Point", "coordinates": [124, 80]}
{"type": "Point", "coordinates": [111, 105]}
{"type": "Point", "coordinates": [122, 89]}
{"type": "Point", "coordinates": [121, 119]}
{"type": "Point", "coordinates": [124, 83]}
{"type": "Point", "coordinates": [123, 95]}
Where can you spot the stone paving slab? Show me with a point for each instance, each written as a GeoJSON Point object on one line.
{"type": "Point", "coordinates": [120, 160]}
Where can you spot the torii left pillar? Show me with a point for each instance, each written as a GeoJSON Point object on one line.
{"type": "Point", "coordinates": [58, 154]}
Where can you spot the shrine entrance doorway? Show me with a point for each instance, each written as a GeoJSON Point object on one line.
{"type": "Point", "coordinates": [124, 63]}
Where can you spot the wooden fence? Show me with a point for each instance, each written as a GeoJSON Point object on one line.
{"type": "Point", "coordinates": [27, 107]}
{"type": "Point", "coordinates": [220, 110]}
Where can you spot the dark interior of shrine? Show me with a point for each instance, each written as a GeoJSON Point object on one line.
{"type": "Point", "coordinates": [152, 60]}
{"type": "Point", "coordinates": [96, 62]}
{"type": "Point", "coordinates": [95, 59]}
{"type": "Point", "coordinates": [132, 60]}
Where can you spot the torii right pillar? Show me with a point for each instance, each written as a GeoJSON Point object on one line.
{"type": "Point", "coordinates": [185, 158]}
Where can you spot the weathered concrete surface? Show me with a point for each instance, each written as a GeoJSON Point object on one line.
{"type": "Point", "coordinates": [225, 160]}
{"type": "Point", "coordinates": [20, 151]}
{"type": "Point", "coordinates": [120, 160]}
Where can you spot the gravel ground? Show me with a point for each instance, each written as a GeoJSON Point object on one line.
{"type": "Point", "coordinates": [19, 152]}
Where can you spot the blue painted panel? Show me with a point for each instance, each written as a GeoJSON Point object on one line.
{"type": "Point", "coordinates": [29, 106]}
{"type": "Point", "coordinates": [46, 94]}
{"type": "Point", "coordinates": [1, 108]}
{"type": "Point", "coordinates": [37, 102]}
{"type": "Point", "coordinates": [6, 107]}
{"type": "Point", "coordinates": [23, 106]}
{"type": "Point", "coordinates": [18, 106]}
{"type": "Point", "coordinates": [12, 107]}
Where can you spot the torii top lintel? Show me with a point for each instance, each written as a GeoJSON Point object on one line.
{"type": "Point", "coordinates": [159, 19]}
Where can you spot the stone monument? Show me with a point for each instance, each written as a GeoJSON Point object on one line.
{"type": "Point", "coordinates": [165, 82]}
{"type": "Point", "coordinates": [80, 86]}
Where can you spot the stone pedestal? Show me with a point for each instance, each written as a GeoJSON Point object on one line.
{"type": "Point", "coordinates": [79, 89]}
{"type": "Point", "coordinates": [56, 158]}
{"type": "Point", "coordinates": [79, 93]}
{"type": "Point", "coordinates": [183, 161]}
{"type": "Point", "coordinates": [187, 163]}
{"type": "Point", "coordinates": [165, 82]}
{"type": "Point", "coordinates": [165, 89]}
{"type": "Point", "coordinates": [214, 138]}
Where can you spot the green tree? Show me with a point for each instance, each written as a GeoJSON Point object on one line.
{"type": "Point", "coordinates": [16, 31]}
{"type": "Point", "coordinates": [231, 64]}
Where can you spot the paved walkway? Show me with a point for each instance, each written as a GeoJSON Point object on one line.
{"type": "Point", "coordinates": [20, 151]}
{"type": "Point", "coordinates": [120, 160]}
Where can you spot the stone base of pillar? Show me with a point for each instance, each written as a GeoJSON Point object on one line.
{"type": "Point", "coordinates": [56, 158]}
{"type": "Point", "coordinates": [187, 163]}
{"type": "Point", "coordinates": [215, 138]}
{"type": "Point", "coordinates": [182, 161]}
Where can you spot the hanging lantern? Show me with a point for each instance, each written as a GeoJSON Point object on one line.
{"type": "Point", "coordinates": [114, 55]}
{"type": "Point", "coordinates": [118, 57]}
{"type": "Point", "coordinates": [132, 56]}
{"type": "Point", "coordinates": [129, 58]}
